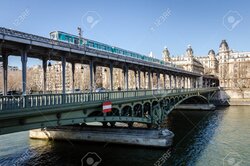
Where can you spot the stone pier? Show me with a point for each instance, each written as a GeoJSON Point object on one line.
{"type": "Point", "coordinates": [134, 136]}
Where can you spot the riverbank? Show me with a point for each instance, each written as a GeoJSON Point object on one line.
{"type": "Point", "coordinates": [232, 97]}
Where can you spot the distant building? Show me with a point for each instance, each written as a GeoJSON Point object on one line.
{"type": "Point", "coordinates": [232, 68]}
{"type": "Point", "coordinates": [210, 63]}
{"type": "Point", "coordinates": [187, 62]}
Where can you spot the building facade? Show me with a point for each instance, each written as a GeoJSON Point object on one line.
{"type": "Point", "coordinates": [187, 62]}
{"type": "Point", "coordinates": [231, 67]}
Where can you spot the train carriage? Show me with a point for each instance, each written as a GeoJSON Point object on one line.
{"type": "Point", "coordinates": [72, 39]}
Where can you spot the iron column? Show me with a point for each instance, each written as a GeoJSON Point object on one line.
{"type": "Point", "coordinates": [5, 73]}
{"type": "Point", "coordinates": [149, 79]}
{"type": "Point", "coordinates": [63, 74]}
{"type": "Point", "coordinates": [175, 82]}
{"type": "Point", "coordinates": [73, 77]}
{"type": "Point", "coordinates": [164, 81]}
{"type": "Point", "coordinates": [111, 76]}
{"type": "Point", "coordinates": [170, 81]}
{"type": "Point", "coordinates": [139, 79]}
{"type": "Point", "coordinates": [157, 79]}
{"type": "Point", "coordinates": [44, 75]}
{"type": "Point", "coordinates": [24, 71]}
{"type": "Point", "coordinates": [125, 73]}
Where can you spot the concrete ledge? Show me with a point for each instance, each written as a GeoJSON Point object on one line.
{"type": "Point", "coordinates": [143, 137]}
{"type": "Point", "coordinates": [204, 107]}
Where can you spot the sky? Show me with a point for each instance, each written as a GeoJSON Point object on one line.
{"type": "Point", "coordinates": [138, 25]}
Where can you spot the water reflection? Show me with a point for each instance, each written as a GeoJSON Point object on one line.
{"type": "Point", "coordinates": [194, 130]}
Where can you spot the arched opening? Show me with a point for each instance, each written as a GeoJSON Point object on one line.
{"type": "Point", "coordinates": [114, 112]}
{"type": "Point", "coordinates": [126, 111]}
{"type": "Point", "coordinates": [95, 113]}
{"type": "Point", "coordinates": [138, 110]}
{"type": "Point", "coordinates": [147, 109]}
{"type": "Point", "coordinates": [195, 100]}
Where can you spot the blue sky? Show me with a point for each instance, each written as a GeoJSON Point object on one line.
{"type": "Point", "coordinates": [138, 25]}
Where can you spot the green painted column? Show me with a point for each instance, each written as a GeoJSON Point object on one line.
{"type": "Point", "coordinates": [73, 76]}
{"type": "Point", "coordinates": [125, 73]}
{"type": "Point", "coordinates": [111, 76]}
{"type": "Point", "coordinates": [91, 74]}
{"type": "Point", "coordinates": [164, 81]}
{"type": "Point", "coordinates": [24, 70]}
{"type": "Point", "coordinates": [170, 81]}
{"type": "Point", "coordinates": [63, 74]}
{"type": "Point", "coordinates": [139, 79]}
{"type": "Point", "coordinates": [5, 73]}
{"type": "Point", "coordinates": [44, 75]}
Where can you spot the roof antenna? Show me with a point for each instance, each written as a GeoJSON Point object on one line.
{"type": "Point", "coordinates": [79, 34]}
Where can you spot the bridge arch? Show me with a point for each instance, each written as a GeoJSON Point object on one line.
{"type": "Point", "coordinates": [191, 98]}
{"type": "Point", "coordinates": [126, 111]}
{"type": "Point", "coordinates": [115, 112]}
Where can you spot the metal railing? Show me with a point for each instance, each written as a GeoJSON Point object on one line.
{"type": "Point", "coordinates": [50, 100]}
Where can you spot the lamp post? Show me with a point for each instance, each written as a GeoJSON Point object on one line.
{"type": "Point", "coordinates": [79, 34]}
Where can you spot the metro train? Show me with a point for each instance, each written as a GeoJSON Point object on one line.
{"type": "Point", "coordinates": [72, 39]}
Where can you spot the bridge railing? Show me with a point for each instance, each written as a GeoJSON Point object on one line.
{"type": "Point", "coordinates": [45, 100]}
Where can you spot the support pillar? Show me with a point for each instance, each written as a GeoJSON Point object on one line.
{"type": "Point", "coordinates": [170, 81]}
{"type": "Point", "coordinates": [201, 82]}
{"type": "Point", "coordinates": [149, 80]}
{"type": "Point", "coordinates": [135, 78]}
{"type": "Point", "coordinates": [24, 71]}
{"type": "Point", "coordinates": [139, 79]}
{"type": "Point", "coordinates": [184, 83]}
{"type": "Point", "coordinates": [157, 80]}
{"type": "Point", "coordinates": [44, 75]}
{"type": "Point", "coordinates": [73, 77]}
{"type": "Point", "coordinates": [125, 72]}
{"type": "Point", "coordinates": [197, 82]}
{"type": "Point", "coordinates": [91, 74]}
{"type": "Point", "coordinates": [175, 82]}
{"type": "Point", "coordinates": [63, 74]}
{"type": "Point", "coordinates": [111, 76]}
{"type": "Point", "coordinates": [5, 74]}
{"type": "Point", "coordinates": [94, 78]}
{"type": "Point", "coordinates": [164, 81]}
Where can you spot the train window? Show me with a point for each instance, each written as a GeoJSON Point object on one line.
{"type": "Point", "coordinates": [76, 41]}
{"type": "Point", "coordinates": [102, 47]}
{"type": "Point", "coordinates": [60, 37]}
{"type": "Point", "coordinates": [91, 44]}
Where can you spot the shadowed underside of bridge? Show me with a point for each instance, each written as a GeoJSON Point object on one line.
{"type": "Point", "coordinates": [148, 106]}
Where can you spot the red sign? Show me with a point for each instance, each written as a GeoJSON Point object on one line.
{"type": "Point", "coordinates": [107, 106]}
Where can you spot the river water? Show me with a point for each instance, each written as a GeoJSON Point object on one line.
{"type": "Point", "coordinates": [221, 137]}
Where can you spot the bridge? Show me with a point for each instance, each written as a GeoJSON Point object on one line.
{"type": "Point", "coordinates": [144, 105]}
{"type": "Point", "coordinates": [20, 113]}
